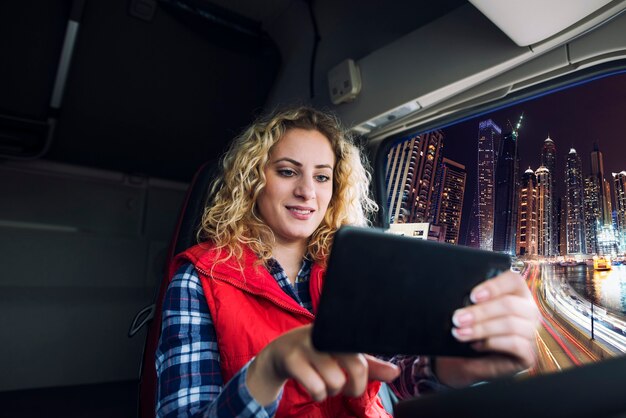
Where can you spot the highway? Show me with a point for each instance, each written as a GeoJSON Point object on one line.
{"type": "Point", "coordinates": [559, 345]}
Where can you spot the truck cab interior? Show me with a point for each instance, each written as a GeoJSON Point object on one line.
{"type": "Point", "coordinates": [109, 108]}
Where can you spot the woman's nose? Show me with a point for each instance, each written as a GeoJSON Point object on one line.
{"type": "Point", "coordinates": [305, 189]}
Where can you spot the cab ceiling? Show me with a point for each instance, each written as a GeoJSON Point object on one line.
{"type": "Point", "coordinates": [160, 96]}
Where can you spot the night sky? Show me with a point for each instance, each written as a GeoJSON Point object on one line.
{"type": "Point", "coordinates": [576, 117]}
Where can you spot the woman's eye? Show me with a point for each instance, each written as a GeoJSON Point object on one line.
{"type": "Point", "coordinates": [322, 178]}
{"type": "Point", "coordinates": [285, 172]}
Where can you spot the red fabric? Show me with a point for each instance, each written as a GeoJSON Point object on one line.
{"type": "Point", "coordinates": [249, 309]}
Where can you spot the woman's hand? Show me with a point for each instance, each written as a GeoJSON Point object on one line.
{"type": "Point", "coordinates": [502, 321]}
{"type": "Point", "coordinates": [292, 356]}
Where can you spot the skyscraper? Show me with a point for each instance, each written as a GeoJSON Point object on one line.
{"type": "Point", "coordinates": [505, 205]}
{"type": "Point", "coordinates": [527, 237]}
{"type": "Point", "coordinates": [609, 205]}
{"type": "Point", "coordinates": [472, 236]}
{"type": "Point", "coordinates": [545, 213]}
{"type": "Point", "coordinates": [548, 155]}
{"type": "Point", "coordinates": [450, 194]}
{"type": "Point", "coordinates": [430, 179]}
{"type": "Point", "coordinates": [574, 201]}
{"type": "Point", "coordinates": [561, 209]}
{"type": "Point", "coordinates": [410, 177]}
{"type": "Point", "coordinates": [592, 213]}
{"type": "Point", "coordinates": [604, 198]}
{"type": "Point", "coordinates": [619, 184]}
{"type": "Point", "coordinates": [488, 135]}
{"type": "Point", "coordinates": [399, 176]}
{"type": "Point", "coordinates": [548, 160]}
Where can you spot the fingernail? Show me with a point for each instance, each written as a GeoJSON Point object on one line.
{"type": "Point", "coordinates": [479, 295]}
{"type": "Point", "coordinates": [462, 318]}
{"type": "Point", "coordinates": [462, 333]}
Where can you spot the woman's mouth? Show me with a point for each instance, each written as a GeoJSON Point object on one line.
{"type": "Point", "coordinates": [300, 212]}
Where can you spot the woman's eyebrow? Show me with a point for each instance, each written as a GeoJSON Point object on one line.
{"type": "Point", "coordinates": [299, 164]}
{"type": "Point", "coordinates": [290, 160]}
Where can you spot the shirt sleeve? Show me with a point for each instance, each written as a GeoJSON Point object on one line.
{"type": "Point", "coordinates": [416, 376]}
{"type": "Point", "coordinates": [189, 379]}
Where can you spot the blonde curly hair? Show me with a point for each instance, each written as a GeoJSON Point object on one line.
{"type": "Point", "coordinates": [232, 219]}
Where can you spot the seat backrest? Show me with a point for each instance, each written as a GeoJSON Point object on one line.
{"type": "Point", "coordinates": [184, 237]}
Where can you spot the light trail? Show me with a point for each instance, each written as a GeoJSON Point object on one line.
{"type": "Point", "coordinates": [564, 332]}
{"type": "Point", "coordinates": [551, 325]}
{"type": "Point", "coordinates": [543, 347]}
{"type": "Point", "coordinates": [567, 304]}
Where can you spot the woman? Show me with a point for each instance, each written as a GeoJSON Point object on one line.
{"type": "Point", "coordinates": [237, 316]}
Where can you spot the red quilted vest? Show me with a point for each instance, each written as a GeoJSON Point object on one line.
{"type": "Point", "coordinates": [249, 309]}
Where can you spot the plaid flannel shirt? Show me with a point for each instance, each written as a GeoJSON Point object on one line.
{"type": "Point", "coordinates": [190, 382]}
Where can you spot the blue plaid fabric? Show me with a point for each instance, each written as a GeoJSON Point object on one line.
{"type": "Point", "coordinates": [190, 382]}
{"type": "Point", "coordinates": [299, 291]}
{"type": "Point", "coordinates": [188, 360]}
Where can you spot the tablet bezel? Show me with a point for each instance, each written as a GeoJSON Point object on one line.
{"type": "Point", "coordinates": [376, 282]}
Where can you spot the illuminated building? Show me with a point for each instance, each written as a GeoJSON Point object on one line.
{"type": "Point", "coordinates": [608, 240]}
{"type": "Point", "coordinates": [488, 135]}
{"type": "Point", "coordinates": [545, 213]}
{"type": "Point", "coordinates": [527, 237]}
{"type": "Point", "coordinates": [574, 202]}
{"type": "Point", "coordinates": [410, 177]}
{"type": "Point", "coordinates": [593, 214]}
{"type": "Point", "coordinates": [561, 209]}
{"type": "Point", "coordinates": [609, 206]}
{"type": "Point", "coordinates": [426, 198]}
{"type": "Point", "coordinates": [399, 175]}
{"type": "Point", "coordinates": [450, 195]}
{"type": "Point", "coordinates": [506, 192]}
{"type": "Point", "coordinates": [548, 160]}
{"type": "Point", "coordinates": [472, 238]}
{"type": "Point", "coordinates": [604, 193]}
{"type": "Point", "coordinates": [619, 189]}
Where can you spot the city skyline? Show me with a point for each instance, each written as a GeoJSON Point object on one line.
{"type": "Point", "coordinates": [585, 108]}
{"type": "Point", "coordinates": [573, 118]}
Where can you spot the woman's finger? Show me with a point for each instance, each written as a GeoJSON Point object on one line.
{"type": "Point", "coordinates": [507, 305]}
{"type": "Point", "coordinates": [360, 368]}
{"type": "Point", "coordinates": [503, 284]}
{"type": "Point", "coordinates": [292, 356]}
{"type": "Point", "coordinates": [299, 368]}
{"type": "Point", "coordinates": [381, 370]}
{"type": "Point", "coordinates": [501, 326]}
{"type": "Point", "coordinates": [330, 371]}
{"type": "Point", "coordinates": [319, 374]}
{"type": "Point", "coordinates": [356, 370]}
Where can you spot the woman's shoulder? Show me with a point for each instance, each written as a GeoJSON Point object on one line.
{"type": "Point", "coordinates": [186, 277]}
{"type": "Point", "coordinates": [207, 256]}
{"type": "Point", "coordinates": [200, 255]}
{"type": "Point", "coordinates": [202, 251]}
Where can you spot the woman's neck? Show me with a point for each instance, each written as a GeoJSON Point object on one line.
{"type": "Point", "coordinates": [290, 258]}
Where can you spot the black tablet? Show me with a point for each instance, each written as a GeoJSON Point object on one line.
{"type": "Point", "coordinates": [389, 294]}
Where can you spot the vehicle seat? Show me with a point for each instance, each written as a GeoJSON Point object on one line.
{"type": "Point", "coordinates": [184, 237]}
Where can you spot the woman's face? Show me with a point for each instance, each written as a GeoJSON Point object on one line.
{"type": "Point", "coordinates": [299, 185]}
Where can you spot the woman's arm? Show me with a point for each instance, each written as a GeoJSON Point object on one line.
{"type": "Point", "coordinates": [188, 363]}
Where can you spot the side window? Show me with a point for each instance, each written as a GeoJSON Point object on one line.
{"type": "Point", "coordinates": [544, 181]}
